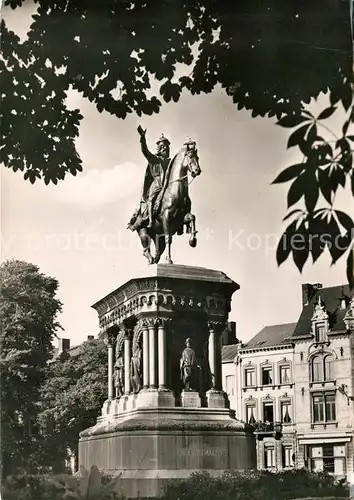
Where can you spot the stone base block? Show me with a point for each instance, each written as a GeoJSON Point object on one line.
{"type": "Point", "coordinates": [114, 409]}
{"type": "Point", "coordinates": [217, 399]}
{"type": "Point", "coordinates": [155, 398]}
{"type": "Point", "coordinates": [190, 399]}
{"type": "Point", "coordinates": [106, 407]}
{"type": "Point", "coordinates": [152, 446]}
{"type": "Point", "coordinates": [130, 403]}
{"type": "Point", "coordinates": [122, 404]}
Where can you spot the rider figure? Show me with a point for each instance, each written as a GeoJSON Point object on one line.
{"type": "Point", "coordinates": [155, 171]}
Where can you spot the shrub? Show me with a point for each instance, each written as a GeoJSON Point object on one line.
{"type": "Point", "coordinates": [31, 487]}
{"type": "Point", "coordinates": [88, 485]}
{"type": "Point", "coordinates": [256, 485]}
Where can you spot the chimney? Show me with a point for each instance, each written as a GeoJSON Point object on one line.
{"type": "Point", "coordinates": [64, 345]}
{"type": "Point", "coordinates": [308, 291]}
{"type": "Point", "coordinates": [90, 337]}
{"type": "Point", "coordinates": [229, 334]}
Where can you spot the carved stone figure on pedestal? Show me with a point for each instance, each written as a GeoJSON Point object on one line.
{"type": "Point", "coordinates": [135, 370]}
{"type": "Point", "coordinates": [189, 367]}
{"type": "Point", "coordinates": [119, 376]}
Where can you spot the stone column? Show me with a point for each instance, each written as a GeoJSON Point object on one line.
{"type": "Point", "coordinates": [146, 354]}
{"type": "Point", "coordinates": [152, 354]}
{"type": "Point", "coordinates": [161, 337]}
{"type": "Point", "coordinates": [215, 396]}
{"type": "Point", "coordinates": [212, 360]}
{"type": "Point", "coordinates": [109, 341]}
{"type": "Point", "coordinates": [127, 351]}
{"type": "Point", "coordinates": [218, 358]}
{"type": "Point", "coordinates": [110, 370]}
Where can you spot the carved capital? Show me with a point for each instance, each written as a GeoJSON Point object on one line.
{"type": "Point", "coordinates": [151, 322]}
{"type": "Point", "coordinates": [110, 337]}
{"type": "Point", "coordinates": [141, 325]}
{"type": "Point", "coordinates": [216, 326]}
{"type": "Point", "coordinates": [163, 322]}
{"type": "Point", "coordinates": [126, 331]}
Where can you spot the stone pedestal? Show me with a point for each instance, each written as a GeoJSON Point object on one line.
{"type": "Point", "coordinates": [155, 398]}
{"type": "Point", "coordinates": [190, 399]}
{"type": "Point", "coordinates": [217, 399]}
{"type": "Point", "coordinates": [163, 432]}
{"type": "Point", "coordinates": [151, 446]}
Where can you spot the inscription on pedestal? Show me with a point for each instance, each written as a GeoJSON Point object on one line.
{"type": "Point", "coordinates": [201, 452]}
{"type": "Point", "coordinates": [190, 399]}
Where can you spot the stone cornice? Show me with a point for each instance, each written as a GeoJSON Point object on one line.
{"type": "Point", "coordinates": [246, 350]}
{"type": "Point", "coordinates": [181, 279]}
{"type": "Point", "coordinates": [147, 296]}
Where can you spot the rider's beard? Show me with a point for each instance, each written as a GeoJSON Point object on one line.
{"type": "Point", "coordinates": [163, 154]}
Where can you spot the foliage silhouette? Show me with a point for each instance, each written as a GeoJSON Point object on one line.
{"type": "Point", "coordinates": [271, 57]}
{"type": "Point", "coordinates": [71, 398]}
{"type": "Point", "coordinates": [28, 308]}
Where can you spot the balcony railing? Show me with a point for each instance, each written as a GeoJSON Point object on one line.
{"type": "Point", "coordinates": [263, 429]}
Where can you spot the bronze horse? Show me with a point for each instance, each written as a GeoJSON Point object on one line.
{"type": "Point", "coordinates": [173, 207]}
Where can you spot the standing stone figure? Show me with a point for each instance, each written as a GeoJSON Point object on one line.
{"type": "Point", "coordinates": [119, 376]}
{"type": "Point", "coordinates": [153, 181]}
{"type": "Point", "coordinates": [135, 370]}
{"type": "Point", "coordinates": [189, 367]}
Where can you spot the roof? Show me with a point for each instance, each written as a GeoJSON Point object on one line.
{"type": "Point", "coordinates": [272, 336]}
{"type": "Point", "coordinates": [228, 353]}
{"type": "Point", "coordinates": [330, 298]}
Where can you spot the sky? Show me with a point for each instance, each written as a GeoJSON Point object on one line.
{"type": "Point", "coordinates": [76, 231]}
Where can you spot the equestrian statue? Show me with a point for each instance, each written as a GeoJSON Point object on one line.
{"type": "Point", "coordinates": [165, 206]}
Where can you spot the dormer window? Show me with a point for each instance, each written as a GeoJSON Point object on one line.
{"type": "Point", "coordinates": [320, 333]}
{"type": "Point", "coordinates": [320, 323]}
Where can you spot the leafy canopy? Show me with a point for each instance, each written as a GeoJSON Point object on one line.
{"type": "Point", "coordinates": [271, 57]}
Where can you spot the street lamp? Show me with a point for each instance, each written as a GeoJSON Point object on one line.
{"type": "Point", "coordinates": [349, 316]}
{"type": "Point", "coordinates": [343, 389]}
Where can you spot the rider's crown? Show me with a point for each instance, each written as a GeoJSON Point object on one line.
{"type": "Point", "coordinates": [189, 142]}
{"type": "Point", "coordinates": [163, 139]}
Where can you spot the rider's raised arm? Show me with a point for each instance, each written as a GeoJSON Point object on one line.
{"type": "Point", "coordinates": [151, 158]}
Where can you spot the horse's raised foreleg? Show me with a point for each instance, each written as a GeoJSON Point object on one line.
{"type": "Point", "coordinates": [189, 220]}
{"type": "Point", "coordinates": [145, 241]}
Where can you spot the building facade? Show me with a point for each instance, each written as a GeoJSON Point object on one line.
{"type": "Point", "coordinates": [294, 383]}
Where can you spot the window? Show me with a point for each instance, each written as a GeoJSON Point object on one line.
{"type": "Point", "coordinates": [324, 407]}
{"type": "Point", "coordinates": [250, 413]}
{"type": "Point", "coordinates": [269, 457]}
{"type": "Point", "coordinates": [329, 458]}
{"type": "Point", "coordinates": [330, 407]}
{"type": "Point", "coordinates": [250, 379]}
{"type": "Point", "coordinates": [322, 368]}
{"type": "Point", "coordinates": [285, 412]}
{"type": "Point", "coordinates": [230, 385]}
{"type": "Point", "coordinates": [284, 374]}
{"type": "Point", "coordinates": [286, 456]}
{"type": "Point", "coordinates": [317, 369]}
{"type": "Point", "coordinates": [268, 411]}
{"type": "Point", "coordinates": [328, 368]}
{"type": "Point", "coordinates": [267, 378]}
{"type": "Point", "coordinates": [320, 333]}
